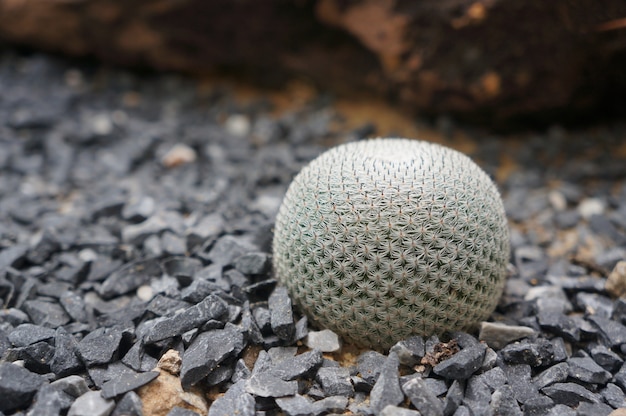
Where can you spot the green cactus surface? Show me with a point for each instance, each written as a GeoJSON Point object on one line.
{"type": "Point", "coordinates": [382, 239]}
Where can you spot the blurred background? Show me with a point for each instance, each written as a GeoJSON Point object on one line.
{"type": "Point", "coordinates": [501, 64]}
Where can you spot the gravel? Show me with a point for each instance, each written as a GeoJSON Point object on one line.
{"type": "Point", "coordinates": [135, 221]}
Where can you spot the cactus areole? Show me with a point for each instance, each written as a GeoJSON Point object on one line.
{"type": "Point", "coordinates": [382, 239]}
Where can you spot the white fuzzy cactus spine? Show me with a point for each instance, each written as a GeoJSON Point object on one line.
{"type": "Point", "coordinates": [382, 239]}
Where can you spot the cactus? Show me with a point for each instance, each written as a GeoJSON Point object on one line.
{"type": "Point", "coordinates": [382, 239]}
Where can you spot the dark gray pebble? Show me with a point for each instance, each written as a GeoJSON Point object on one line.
{"type": "Point", "coordinates": [614, 396]}
{"type": "Point", "coordinates": [410, 351]}
{"type": "Point", "coordinates": [236, 401]}
{"type": "Point", "coordinates": [462, 364]}
{"type": "Point", "coordinates": [129, 405]}
{"type": "Point", "coordinates": [113, 388]}
{"type": "Point", "coordinates": [129, 277]}
{"type": "Point", "coordinates": [212, 307]}
{"type": "Point", "coordinates": [50, 400]}
{"type": "Point", "coordinates": [556, 374]}
{"type": "Point", "coordinates": [369, 365]}
{"type": "Point", "coordinates": [536, 353]}
{"type": "Point", "coordinates": [570, 394]}
{"type": "Point", "coordinates": [302, 365]}
{"type": "Point", "coordinates": [179, 411]}
{"type": "Point", "coordinates": [424, 400]}
{"type": "Point", "coordinates": [207, 351]}
{"type": "Point", "coordinates": [281, 314]}
{"type": "Point", "coordinates": [586, 370]}
{"type": "Point", "coordinates": [100, 346]}
{"type": "Point", "coordinates": [614, 333]}
{"type": "Point", "coordinates": [17, 387]}
{"type": "Point", "coordinates": [27, 334]}
{"type": "Point", "coordinates": [503, 402]}
{"type": "Point", "coordinates": [47, 314]}
{"type": "Point", "coordinates": [387, 389]}
{"type": "Point", "coordinates": [335, 381]}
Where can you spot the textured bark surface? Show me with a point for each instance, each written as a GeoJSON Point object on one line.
{"type": "Point", "coordinates": [490, 60]}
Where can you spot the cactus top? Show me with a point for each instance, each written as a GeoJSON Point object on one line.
{"type": "Point", "coordinates": [382, 239]}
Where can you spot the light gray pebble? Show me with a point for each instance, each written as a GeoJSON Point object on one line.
{"type": "Point", "coordinates": [91, 404]}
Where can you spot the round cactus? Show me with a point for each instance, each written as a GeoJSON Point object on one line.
{"type": "Point", "coordinates": [382, 239]}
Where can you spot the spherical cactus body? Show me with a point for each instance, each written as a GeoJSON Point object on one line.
{"type": "Point", "coordinates": [382, 239]}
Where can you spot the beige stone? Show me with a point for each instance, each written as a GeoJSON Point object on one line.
{"type": "Point", "coordinates": [165, 392]}
{"type": "Point", "coordinates": [618, 412]}
{"type": "Point", "coordinates": [616, 282]}
{"type": "Point", "coordinates": [171, 362]}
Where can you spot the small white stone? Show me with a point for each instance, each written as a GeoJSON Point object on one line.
{"type": "Point", "coordinates": [238, 125]}
{"type": "Point", "coordinates": [325, 341]}
{"type": "Point", "coordinates": [91, 404]}
{"type": "Point", "coordinates": [145, 292]}
{"type": "Point", "coordinates": [557, 200]}
{"type": "Point", "coordinates": [590, 206]}
{"type": "Point", "coordinates": [180, 154]}
{"type": "Point", "coordinates": [88, 255]}
{"type": "Point", "coordinates": [101, 124]}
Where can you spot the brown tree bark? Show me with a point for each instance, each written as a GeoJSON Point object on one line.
{"type": "Point", "coordinates": [489, 60]}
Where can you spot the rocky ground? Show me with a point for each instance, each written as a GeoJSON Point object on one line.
{"type": "Point", "coordinates": [136, 213]}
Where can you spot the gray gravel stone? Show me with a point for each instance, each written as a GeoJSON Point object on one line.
{"type": "Point", "coordinates": [556, 374]}
{"type": "Point", "coordinates": [613, 332]}
{"type": "Point", "coordinates": [265, 384]}
{"type": "Point", "coordinates": [494, 378]}
{"type": "Point", "coordinates": [116, 387]}
{"type": "Point", "coordinates": [422, 398]}
{"type": "Point", "coordinates": [129, 277]}
{"type": "Point", "coordinates": [74, 305]}
{"type": "Point", "coordinates": [27, 334]}
{"type": "Point", "coordinates": [207, 351]}
{"type": "Point", "coordinates": [254, 263]}
{"type": "Point", "coordinates": [179, 411]}
{"type": "Point", "coordinates": [570, 394]}
{"type": "Point", "coordinates": [369, 365]}
{"type": "Point", "coordinates": [302, 365]}
{"type": "Point", "coordinates": [228, 248]}
{"type": "Point", "coordinates": [65, 360]}
{"type": "Point", "coordinates": [335, 381]}
{"type": "Point", "coordinates": [129, 405]}
{"type": "Point", "coordinates": [212, 307]}
{"type": "Point", "coordinates": [614, 396]}
{"type": "Point", "coordinates": [387, 389]}
{"type": "Point", "coordinates": [410, 351]}
{"type": "Point", "coordinates": [606, 358]}
{"type": "Point", "coordinates": [560, 324]}
{"type": "Point", "coordinates": [73, 385]}
{"type": "Point", "coordinates": [593, 409]}
{"type": "Point", "coordinates": [236, 401]}
{"type": "Point", "coordinates": [586, 370]}
{"type": "Point", "coordinates": [462, 364]}
{"type": "Point", "coordinates": [503, 402]}
{"type": "Point", "coordinates": [619, 378]}
{"type": "Point", "coordinates": [17, 386]}
{"type": "Point", "coordinates": [296, 405]}
{"type": "Point", "coordinates": [281, 314]}
{"type": "Point", "coordinates": [91, 404]}
{"type": "Point", "coordinates": [50, 401]}
{"type": "Point", "coordinates": [47, 314]}
{"type": "Point", "coordinates": [518, 377]}
{"type": "Point", "coordinates": [536, 353]}
{"type": "Point", "coordinates": [100, 346]}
